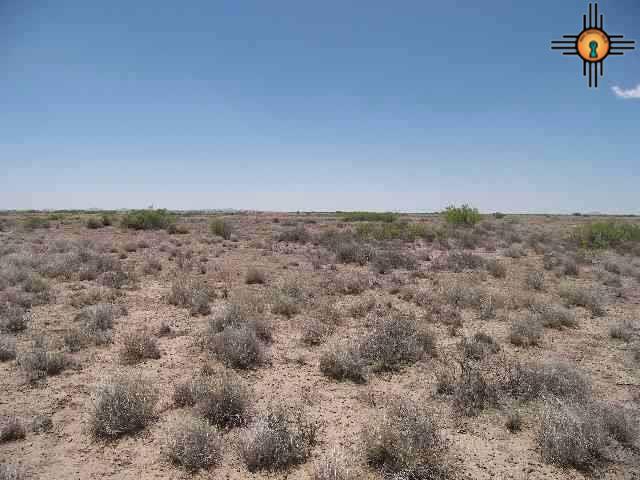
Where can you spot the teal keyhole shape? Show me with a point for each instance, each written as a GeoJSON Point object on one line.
{"type": "Point", "coordinates": [593, 45]}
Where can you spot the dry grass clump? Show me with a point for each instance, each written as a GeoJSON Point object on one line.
{"type": "Point", "coordinates": [385, 261]}
{"type": "Point", "coordinates": [94, 296]}
{"type": "Point", "coordinates": [479, 346]}
{"type": "Point", "coordinates": [461, 261]}
{"type": "Point", "coordinates": [396, 340]}
{"type": "Point", "coordinates": [237, 347]}
{"type": "Point", "coordinates": [7, 348]}
{"type": "Point", "coordinates": [315, 331]}
{"type": "Point", "coordinates": [536, 380]}
{"type": "Point", "coordinates": [192, 294]}
{"type": "Point", "coordinates": [473, 392]}
{"type": "Point", "coordinates": [38, 362]}
{"type": "Point", "coordinates": [224, 401]}
{"type": "Point", "coordinates": [10, 472]}
{"type": "Point", "coordinates": [583, 297]}
{"type": "Point", "coordinates": [623, 330]}
{"type": "Point", "coordinates": [151, 266]}
{"type": "Point", "coordinates": [496, 268]}
{"type": "Point", "coordinates": [460, 295]}
{"type": "Point", "coordinates": [513, 423]}
{"type": "Point", "coordinates": [13, 318]}
{"type": "Point", "coordinates": [404, 442]}
{"type": "Point", "coordinates": [41, 424]}
{"type": "Point", "coordinates": [192, 444]}
{"type": "Point", "coordinates": [343, 361]}
{"type": "Point", "coordinates": [571, 435]}
{"type": "Point", "coordinates": [526, 331]}
{"type": "Point", "coordinates": [334, 466]}
{"type": "Point", "coordinates": [298, 234]}
{"type": "Point", "coordinates": [553, 316]}
{"type": "Point", "coordinates": [139, 346]}
{"type": "Point", "coordinates": [535, 281]}
{"type": "Point", "coordinates": [96, 324]}
{"type": "Point", "coordinates": [278, 439]}
{"type": "Point", "coordinates": [239, 313]}
{"type": "Point", "coordinates": [123, 404]}
{"type": "Point", "coordinates": [254, 277]}
{"type": "Point", "coordinates": [11, 429]}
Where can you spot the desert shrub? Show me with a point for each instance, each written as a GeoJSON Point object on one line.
{"type": "Point", "coordinates": [237, 347]}
{"type": "Point", "coordinates": [618, 423]}
{"type": "Point", "coordinates": [10, 472]}
{"type": "Point", "coordinates": [535, 380]}
{"type": "Point", "coordinates": [622, 330]}
{"type": "Point", "coordinates": [37, 362]}
{"type": "Point", "coordinates": [390, 231]}
{"type": "Point", "coordinates": [570, 267]}
{"type": "Point", "coordinates": [460, 261]}
{"type": "Point", "coordinates": [278, 439]}
{"type": "Point", "coordinates": [446, 380]}
{"type": "Point", "coordinates": [515, 251]}
{"type": "Point", "coordinates": [254, 276]}
{"type": "Point", "coordinates": [123, 404]}
{"type": "Point", "coordinates": [238, 314]}
{"type": "Point", "coordinates": [33, 223]}
{"type": "Point", "coordinates": [350, 283]}
{"type": "Point", "coordinates": [496, 268]}
{"type": "Point", "coordinates": [188, 392]}
{"type": "Point", "coordinates": [570, 435]}
{"type": "Point", "coordinates": [488, 306]}
{"type": "Point", "coordinates": [462, 296]}
{"type": "Point", "coordinates": [287, 299]}
{"type": "Point", "coordinates": [190, 293]}
{"type": "Point", "coordinates": [192, 444]}
{"type": "Point", "coordinates": [221, 228]}
{"type": "Point", "coordinates": [96, 323]}
{"type": "Point", "coordinates": [106, 220]}
{"type": "Point", "coordinates": [535, 280]}
{"type": "Point", "coordinates": [462, 216]}
{"type": "Point", "coordinates": [224, 402]}
{"type": "Point", "coordinates": [353, 252]}
{"type": "Point", "coordinates": [553, 316]}
{"type": "Point", "coordinates": [151, 266]}
{"type": "Point", "coordinates": [343, 361]}
{"type": "Point", "coordinates": [315, 331]}
{"type": "Point", "coordinates": [41, 424]}
{"type": "Point", "coordinates": [148, 220]}
{"type": "Point", "coordinates": [139, 346]}
{"type": "Point", "coordinates": [387, 217]}
{"type": "Point", "coordinates": [333, 466]}
{"type": "Point", "coordinates": [479, 346]}
{"type": "Point", "coordinates": [298, 234]}
{"type": "Point", "coordinates": [13, 318]}
{"type": "Point", "coordinates": [583, 297]}
{"type": "Point", "coordinates": [93, 223]}
{"type": "Point", "coordinates": [513, 421]}
{"type": "Point", "coordinates": [396, 340]}
{"type": "Point", "coordinates": [601, 235]}
{"type": "Point", "coordinates": [7, 348]}
{"type": "Point", "coordinates": [11, 429]}
{"type": "Point", "coordinates": [404, 440]}
{"type": "Point", "coordinates": [526, 331]}
{"type": "Point", "coordinates": [385, 261]}
{"type": "Point", "coordinates": [473, 393]}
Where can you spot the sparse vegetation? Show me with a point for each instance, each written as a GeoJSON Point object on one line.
{"type": "Point", "coordinates": [11, 429]}
{"type": "Point", "coordinates": [343, 361]}
{"type": "Point", "coordinates": [221, 228]}
{"type": "Point", "coordinates": [139, 346]}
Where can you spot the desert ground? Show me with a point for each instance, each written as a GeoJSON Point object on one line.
{"type": "Point", "coordinates": [319, 346]}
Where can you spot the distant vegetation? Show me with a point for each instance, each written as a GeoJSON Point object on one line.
{"type": "Point", "coordinates": [464, 216]}
{"type": "Point", "coordinates": [148, 220]}
{"type": "Point", "coordinates": [606, 234]}
{"type": "Point", "coordinates": [221, 228]}
{"type": "Point", "coordinates": [387, 217]}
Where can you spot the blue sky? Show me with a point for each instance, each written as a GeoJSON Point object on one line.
{"type": "Point", "coordinates": [301, 105]}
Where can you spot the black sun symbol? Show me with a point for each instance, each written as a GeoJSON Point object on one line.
{"type": "Point", "coordinates": [593, 45]}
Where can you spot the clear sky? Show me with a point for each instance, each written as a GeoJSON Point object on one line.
{"type": "Point", "coordinates": [314, 105]}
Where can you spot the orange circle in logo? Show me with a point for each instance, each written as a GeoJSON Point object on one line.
{"type": "Point", "coordinates": [593, 45]}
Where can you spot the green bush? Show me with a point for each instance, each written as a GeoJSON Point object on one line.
{"type": "Point", "coordinates": [387, 217]}
{"type": "Point", "coordinates": [221, 228]}
{"type": "Point", "coordinates": [159, 219]}
{"type": "Point", "coordinates": [464, 216]}
{"type": "Point", "coordinates": [606, 234]}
